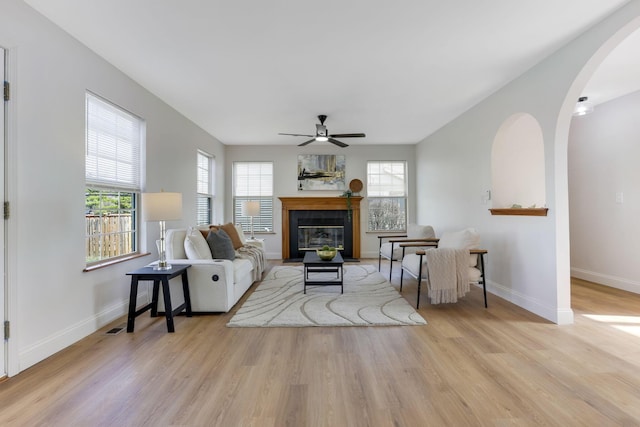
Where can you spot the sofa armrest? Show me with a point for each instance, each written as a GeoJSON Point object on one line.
{"type": "Point", "coordinates": [222, 268]}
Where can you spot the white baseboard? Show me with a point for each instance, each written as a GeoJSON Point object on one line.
{"type": "Point", "coordinates": [537, 307]}
{"type": "Point", "coordinates": [607, 280]}
{"type": "Point", "coordinates": [533, 305]}
{"type": "Point", "coordinates": [52, 344]}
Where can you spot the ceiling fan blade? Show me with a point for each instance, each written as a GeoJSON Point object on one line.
{"type": "Point", "coordinates": [338, 143]}
{"type": "Point", "coordinates": [295, 134]}
{"type": "Point", "coordinates": [348, 135]}
{"type": "Point", "coordinates": [306, 142]}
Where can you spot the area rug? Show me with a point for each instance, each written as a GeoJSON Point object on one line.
{"type": "Point", "coordinates": [368, 300]}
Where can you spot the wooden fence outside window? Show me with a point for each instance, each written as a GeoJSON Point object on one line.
{"type": "Point", "coordinates": [109, 236]}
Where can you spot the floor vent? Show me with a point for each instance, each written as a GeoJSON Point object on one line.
{"type": "Point", "coordinates": [115, 331]}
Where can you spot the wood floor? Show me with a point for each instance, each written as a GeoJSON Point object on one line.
{"type": "Point", "coordinates": [470, 366]}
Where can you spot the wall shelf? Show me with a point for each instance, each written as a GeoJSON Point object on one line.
{"type": "Point", "coordinates": [520, 211]}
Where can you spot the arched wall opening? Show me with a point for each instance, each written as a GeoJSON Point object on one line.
{"type": "Point", "coordinates": [561, 187]}
{"type": "Point", "coordinates": [517, 164]}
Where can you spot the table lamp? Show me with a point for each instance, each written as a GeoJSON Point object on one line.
{"type": "Point", "coordinates": [251, 209]}
{"type": "Point", "coordinates": [162, 207]}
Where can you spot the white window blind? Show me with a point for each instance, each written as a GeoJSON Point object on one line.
{"type": "Point", "coordinates": [253, 181]}
{"type": "Point", "coordinates": [386, 179]}
{"type": "Point", "coordinates": [113, 145]}
{"type": "Point", "coordinates": [203, 174]}
{"type": "Point", "coordinates": [204, 184]}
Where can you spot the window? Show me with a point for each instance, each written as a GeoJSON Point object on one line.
{"type": "Point", "coordinates": [253, 181]}
{"type": "Point", "coordinates": [112, 175]}
{"type": "Point", "coordinates": [387, 195]}
{"type": "Point", "coordinates": [204, 196]}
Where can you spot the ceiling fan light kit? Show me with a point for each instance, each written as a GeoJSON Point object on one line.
{"type": "Point", "coordinates": [322, 135]}
{"type": "Point", "coordinates": [583, 107]}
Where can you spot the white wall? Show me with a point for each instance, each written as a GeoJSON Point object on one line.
{"type": "Point", "coordinates": [285, 159]}
{"type": "Point", "coordinates": [528, 261]}
{"type": "Point", "coordinates": [52, 302]}
{"type": "Point", "coordinates": [604, 152]}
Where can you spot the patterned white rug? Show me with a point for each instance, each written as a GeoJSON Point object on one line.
{"type": "Point", "coordinates": [368, 300]}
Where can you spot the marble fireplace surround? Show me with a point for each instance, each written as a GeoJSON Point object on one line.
{"type": "Point", "coordinates": [336, 203]}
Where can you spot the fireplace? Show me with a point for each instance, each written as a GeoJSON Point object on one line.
{"type": "Point", "coordinates": [309, 223]}
{"type": "Point", "coordinates": [313, 229]}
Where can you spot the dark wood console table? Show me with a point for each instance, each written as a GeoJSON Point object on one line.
{"type": "Point", "coordinates": [157, 277]}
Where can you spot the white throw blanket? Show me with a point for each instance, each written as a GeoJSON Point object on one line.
{"type": "Point", "coordinates": [256, 256]}
{"type": "Point", "coordinates": [447, 274]}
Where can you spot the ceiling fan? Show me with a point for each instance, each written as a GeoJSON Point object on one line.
{"type": "Point", "coordinates": [323, 135]}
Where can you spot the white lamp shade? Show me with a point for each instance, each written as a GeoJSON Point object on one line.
{"type": "Point", "coordinates": [250, 208]}
{"type": "Point", "coordinates": [161, 206]}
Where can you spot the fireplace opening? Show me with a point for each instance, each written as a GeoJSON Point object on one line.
{"type": "Point", "coordinates": [313, 229]}
{"type": "Point", "coordinates": [312, 237]}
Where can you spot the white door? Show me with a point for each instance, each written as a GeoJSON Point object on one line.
{"type": "Point", "coordinates": [3, 285]}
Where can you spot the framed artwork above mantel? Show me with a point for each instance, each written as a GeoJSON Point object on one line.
{"type": "Point", "coordinates": [321, 172]}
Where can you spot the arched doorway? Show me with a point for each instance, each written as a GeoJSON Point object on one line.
{"type": "Point", "coordinates": [561, 189]}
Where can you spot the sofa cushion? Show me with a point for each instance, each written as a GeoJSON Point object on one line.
{"type": "Point", "coordinates": [241, 267]}
{"type": "Point", "coordinates": [175, 243]}
{"type": "Point", "coordinates": [196, 246]}
{"type": "Point", "coordinates": [241, 234]}
{"type": "Point", "coordinates": [220, 244]}
{"type": "Point", "coordinates": [231, 231]}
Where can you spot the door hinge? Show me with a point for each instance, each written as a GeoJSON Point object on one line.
{"type": "Point", "coordinates": [6, 210]}
{"type": "Point", "coordinates": [7, 329]}
{"type": "Point", "coordinates": [7, 91]}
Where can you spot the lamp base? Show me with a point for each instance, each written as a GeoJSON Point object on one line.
{"type": "Point", "coordinates": [162, 266]}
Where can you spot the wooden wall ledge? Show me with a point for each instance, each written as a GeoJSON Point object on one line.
{"type": "Point", "coordinates": [520, 211]}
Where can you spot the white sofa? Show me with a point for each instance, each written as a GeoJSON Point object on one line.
{"type": "Point", "coordinates": [215, 285]}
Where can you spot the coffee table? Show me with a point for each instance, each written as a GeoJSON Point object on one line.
{"type": "Point", "coordinates": [314, 265]}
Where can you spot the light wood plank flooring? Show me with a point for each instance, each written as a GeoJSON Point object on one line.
{"type": "Point", "coordinates": [470, 366]}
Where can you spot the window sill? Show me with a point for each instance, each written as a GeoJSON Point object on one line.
{"type": "Point", "coordinates": [107, 263]}
{"type": "Point", "coordinates": [520, 211]}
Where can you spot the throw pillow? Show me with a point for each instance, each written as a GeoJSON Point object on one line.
{"type": "Point", "coordinates": [231, 231]}
{"type": "Point", "coordinates": [205, 231]}
{"type": "Point", "coordinates": [464, 239]}
{"type": "Point", "coordinates": [196, 246]}
{"type": "Point", "coordinates": [220, 244]}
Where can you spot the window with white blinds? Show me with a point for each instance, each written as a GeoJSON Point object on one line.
{"type": "Point", "coordinates": [387, 195]}
{"type": "Point", "coordinates": [114, 139]}
{"type": "Point", "coordinates": [253, 181]}
{"type": "Point", "coordinates": [204, 184]}
{"type": "Point", "coordinates": [113, 145]}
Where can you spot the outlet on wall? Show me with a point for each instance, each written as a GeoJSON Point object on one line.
{"type": "Point", "coordinates": [619, 197]}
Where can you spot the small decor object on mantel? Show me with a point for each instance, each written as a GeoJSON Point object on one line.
{"type": "Point", "coordinates": [355, 185]}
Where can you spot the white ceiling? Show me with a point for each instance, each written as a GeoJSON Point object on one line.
{"type": "Point", "coordinates": [245, 70]}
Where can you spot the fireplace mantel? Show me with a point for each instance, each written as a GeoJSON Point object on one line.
{"type": "Point", "coordinates": [316, 204]}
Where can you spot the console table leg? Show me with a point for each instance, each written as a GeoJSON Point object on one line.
{"type": "Point", "coordinates": [168, 310]}
{"type": "Point", "coordinates": [154, 298]}
{"type": "Point", "coordinates": [187, 294]}
{"type": "Point", "coordinates": [133, 295]}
